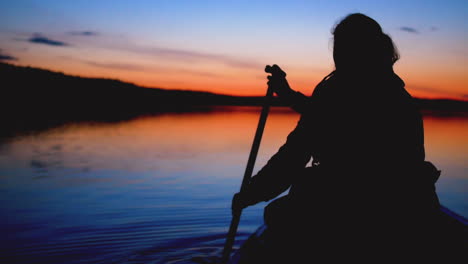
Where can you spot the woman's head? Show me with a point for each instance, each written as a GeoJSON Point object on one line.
{"type": "Point", "coordinates": [360, 44]}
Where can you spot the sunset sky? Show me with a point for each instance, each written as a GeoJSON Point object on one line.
{"type": "Point", "coordinates": [223, 46]}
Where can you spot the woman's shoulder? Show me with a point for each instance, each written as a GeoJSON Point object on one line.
{"type": "Point", "coordinates": [327, 81]}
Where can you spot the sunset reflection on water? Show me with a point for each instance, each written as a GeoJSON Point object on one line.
{"type": "Point", "coordinates": [162, 179]}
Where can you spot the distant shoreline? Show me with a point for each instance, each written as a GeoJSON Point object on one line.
{"type": "Point", "coordinates": [38, 99]}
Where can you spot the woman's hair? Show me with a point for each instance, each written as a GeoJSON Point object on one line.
{"type": "Point", "coordinates": [359, 43]}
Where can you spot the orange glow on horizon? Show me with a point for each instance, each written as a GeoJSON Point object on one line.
{"type": "Point", "coordinates": [247, 82]}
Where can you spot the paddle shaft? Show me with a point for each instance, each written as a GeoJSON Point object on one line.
{"type": "Point", "coordinates": [248, 173]}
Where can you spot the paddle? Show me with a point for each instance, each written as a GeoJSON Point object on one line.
{"type": "Point", "coordinates": [250, 166]}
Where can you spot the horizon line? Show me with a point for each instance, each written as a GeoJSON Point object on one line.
{"type": "Point", "coordinates": [193, 90]}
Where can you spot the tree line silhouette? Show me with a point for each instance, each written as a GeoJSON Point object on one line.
{"type": "Point", "coordinates": [36, 99]}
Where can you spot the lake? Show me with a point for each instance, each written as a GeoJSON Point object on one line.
{"type": "Point", "coordinates": [157, 189]}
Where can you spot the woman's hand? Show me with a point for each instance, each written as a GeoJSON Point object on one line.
{"type": "Point", "coordinates": [277, 81]}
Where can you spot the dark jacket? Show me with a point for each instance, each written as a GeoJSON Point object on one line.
{"type": "Point", "coordinates": [365, 136]}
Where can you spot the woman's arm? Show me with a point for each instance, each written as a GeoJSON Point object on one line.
{"type": "Point", "coordinates": [280, 171]}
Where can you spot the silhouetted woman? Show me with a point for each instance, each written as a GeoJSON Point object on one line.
{"type": "Point", "coordinates": [369, 189]}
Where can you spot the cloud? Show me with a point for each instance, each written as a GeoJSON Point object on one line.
{"type": "Point", "coordinates": [439, 92]}
{"type": "Point", "coordinates": [135, 67]}
{"type": "Point", "coordinates": [117, 66]}
{"type": "Point", "coordinates": [172, 54]}
{"type": "Point", "coordinates": [199, 73]}
{"type": "Point", "coordinates": [194, 56]}
{"type": "Point", "coordinates": [425, 89]}
{"type": "Point", "coordinates": [5, 57]}
{"type": "Point", "coordinates": [39, 39]}
{"type": "Point", "coordinates": [409, 30]}
{"type": "Point", "coordinates": [434, 28]}
{"type": "Point", "coordinates": [84, 33]}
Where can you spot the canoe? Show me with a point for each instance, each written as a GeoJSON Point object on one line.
{"type": "Point", "coordinates": [251, 250]}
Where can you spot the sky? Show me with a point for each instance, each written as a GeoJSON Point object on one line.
{"type": "Point", "coordinates": [223, 46]}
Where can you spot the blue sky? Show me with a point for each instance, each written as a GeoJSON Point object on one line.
{"type": "Point", "coordinates": [182, 41]}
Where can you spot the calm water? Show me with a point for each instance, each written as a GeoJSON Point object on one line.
{"type": "Point", "coordinates": [158, 189]}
